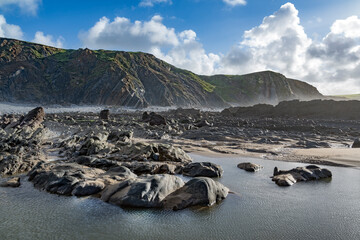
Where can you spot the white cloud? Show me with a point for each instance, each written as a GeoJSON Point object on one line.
{"type": "Point", "coordinates": [150, 3]}
{"type": "Point", "coordinates": [126, 35]}
{"type": "Point", "coordinates": [279, 43]}
{"type": "Point", "coordinates": [181, 49]}
{"type": "Point", "coordinates": [349, 27]}
{"type": "Point", "coordinates": [235, 2]}
{"type": "Point", "coordinates": [190, 54]}
{"type": "Point", "coordinates": [41, 38]}
{"type": "Point", "coordinates": [9, 30]}
{"type": "Point", "coordinates": [26, 6]}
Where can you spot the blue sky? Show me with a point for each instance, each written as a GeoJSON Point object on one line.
{"type": "Point", "coordinates": [208, 34]}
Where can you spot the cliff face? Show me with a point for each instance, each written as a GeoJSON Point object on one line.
{"type": "Point", "coordinates": [261, 87]}
{"type": "Point", "coordinates": [40, 74]}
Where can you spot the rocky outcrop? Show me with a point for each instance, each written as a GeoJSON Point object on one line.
{"type": "Point", "coordinates": [104, 114]}
{"type": "Point", "coordinates": [66, 178]}
{"type": "Point", "coordinates": [20, 142]}
{"type": "Point", "coordinates": [153, 119]}
{"type": "Point", "coordinates": [249, 167]}
{"type": "Point", "coordinates": [315, 109]}
{"type": "Point", "coordinates": [146, 191]}
{"type": "Point", "coordinates": [308, 173]}
{"type": "Point", "coordinates": [13, 182]}
{"type": "Point", "coordinates": [196, 192]}
{"type": "Point", "coordinates": [202, 169]}
{"type": "Point", "coordinates": [356, 143]}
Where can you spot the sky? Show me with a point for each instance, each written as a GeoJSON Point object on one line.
{"type": "Point", "coordinates": [317, 41]}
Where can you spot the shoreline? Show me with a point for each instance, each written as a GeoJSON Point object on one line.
{"type": "Point", "coordinates": [336, 157]}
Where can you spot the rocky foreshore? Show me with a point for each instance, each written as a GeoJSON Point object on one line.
{"type": "Point", "coordinates": [136, 159]}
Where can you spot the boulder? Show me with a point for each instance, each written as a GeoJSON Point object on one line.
{"type": "Point", "coordinates": [249, 167]}
{"type": "Point", "coordinates": [308, 173]}
{"type": "Point", "coordinates": [104, 114]}
{"type": "Point", "coordinates": [196, 192]}
{"type": "Point", "coordinates": [33, 119]}
{"type": "Point", "coordinates": [94, 162]}
{"type": "Point", "coordinates": [12, 165]}
{"type": "Point", "coordinates": [13, 182]}
{"type": "Point", "coordinates": [140, 168]}
{"type": "Point", "coordinates": [87, 188]}
{"type": "Point", "coordinates": [146, 191]}
{"type": "Point", "coordinates": [122, 136]}
{"type": "Point", "coordinates": [62, 178]}
{"type": "Point", "coordinates": [202, 169]}
{"type": "Point", "coordinates": [356, 143]}
{"type": "Point", "coordinates": [203, 123]}
{"type": "Point", "coordinates": [153, 119]}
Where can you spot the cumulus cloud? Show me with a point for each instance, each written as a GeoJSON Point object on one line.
{"type": "Point", "coordinates": [150, 3]}
{"type": "Point", "coordinates": [235, 2]}
{"type": "Point", "coordinates": [41, 38]}
{"type": "Point", "coordinates": [279, 43]}
{"type": "Point", "coordinates": [26, 6]}
{"type": "Point", "coordinates": [9, 30]}
{"type": "Point", "coordinates": [123, 34]}
{"type": "Point", "coordinates": [181, 49]}
{"type": "Point", "coordinates": [190, 54]}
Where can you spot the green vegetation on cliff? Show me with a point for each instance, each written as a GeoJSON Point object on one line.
{"type": "Point", "coordinates": [36, 73]}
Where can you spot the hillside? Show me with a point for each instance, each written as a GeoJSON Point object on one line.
{"type": "Point", "coordinates": [34, 73]}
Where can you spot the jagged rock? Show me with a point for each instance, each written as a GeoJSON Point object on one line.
{"type": "Point", "coordinates": [198, 191]}
{"type": "Point", "coordinates": [140, 168]}
{"type": "Point", "coordinates": [94, 145]}
{"type": "Point", "coordinates": [308, 173]}
{"type": "Point", "coordinates": [153, 119]}
{"type": "Point", "coordinates": [33, 119]}
{"type": "Point", "coordinates": [356, 143]}
{"type": "Point", "coordinates": [13, 182]}
{"type": "Point", "coordinates": [122, 136]}
{"type": "Point", "coordinates": [121, 172]}
{"type": "Point", "coordinates": [202, 169]}
{"type": "Point", "coordinates": [203, 123]}
{"type": "Point", "coordinates": [284, 179]}
{"type": "Point", "coordinates": [87, 188]}
{"type": "Point", "coordinates": [12, 164]}
{"type": "Point", "coordinates": [94, 162]}
{"type": "Point", "coordinates": [250, 167]}
{"type": "Point", "coordinates": [141, 151]}
{"type": "Point", "coordinates": [104, 114]}
{"type": "Point", "coordinates": [146, 191]}
{"type": "Point", "coordinates": [61, 178]}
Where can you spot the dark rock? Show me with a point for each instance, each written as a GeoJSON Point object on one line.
{"type": "Point", "coordinates": [356, 143]}
{"type": "Point", "coordinates": [153, 119]}
{"type": "Point", "coordinates": [202, 169]}
{"type": "Point", "coordinates": [308, 173]}
{"type": "Point", "coordinates": [62, 178]}
{"type": "Point", "coordinates": [198, 191]}
{"type": "Point", "coordinates": [13, 182]}
{"type": "Point", "coordinates": [140, 168]}
{"type": "Point", "coordinates": [203, 123]}
{"type": "Point", "coordinates": [146, 191]}
{"type": "Point", "coordinates": [250, 167]}
{"type": "Point", "coordinates": [104, 114]}
{"type": "Point", "coordinates": [122, 136]}
{"type": "Point", "coordinates": [33, 119]}
{"type": "Point", "coordinates": [87, 188]}
{"type": "Point", "coordinates": [94, 162]}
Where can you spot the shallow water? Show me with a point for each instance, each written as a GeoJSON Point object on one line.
{"type": "Point", "coordinates": [11, 108]}
{"type": "Point", "coordinates": [259, 210]}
